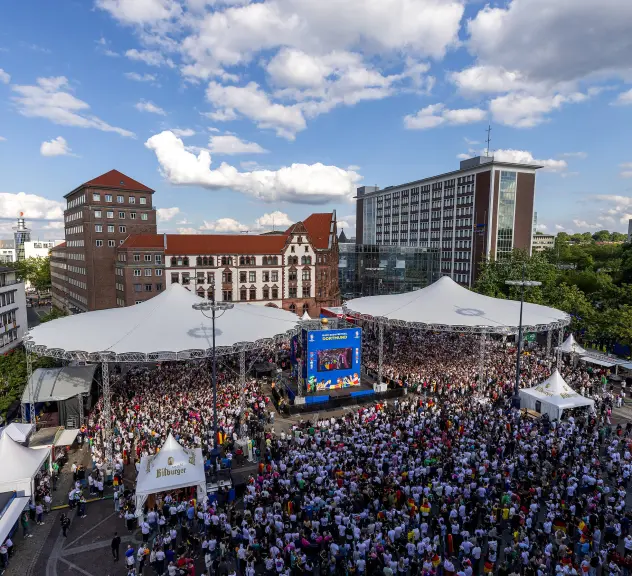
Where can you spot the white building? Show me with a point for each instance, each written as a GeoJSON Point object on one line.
{"type": "Point", "coordinates": [39, 248]}
{"type": "Point", "coordinates": [542, 242]}
{"type": "Point", "coordinates": [13, 322]}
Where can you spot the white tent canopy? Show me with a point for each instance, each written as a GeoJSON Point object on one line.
{"type": "Point", "coordinates": [56, 384]}
{"type": "Point", "coordinates": [21, 464]}
{"type": "Point", "coordinates": [305, 316]}
{"type": "Point", "coordinates": [11, 515]}
{"type": "Point", "coordinates": [163, 328]}
{"type": "Point", "coordinates": [570, 345]}
{"type": "Point", "coordinates": [552, 397]}
{"type": "Point", "coordinates": [172, 468]}
{"type": "Point", "coordinates": [18, 431]}
{"type": "Point", "coordinates": [446, 306]}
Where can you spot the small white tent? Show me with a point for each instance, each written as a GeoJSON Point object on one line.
{"type": "Point", "coordinates": [570, 345]}
{"type": "Point", "coordinates": [172, 468]}
{"type": "Point", "coordinates": [305, 316]}
{"type": "Point", "coordinates": [552, 397]}
{"type": "Point", "coordinates": [20, 465]}
{"type": "Point", "coordinates": [18, 431]}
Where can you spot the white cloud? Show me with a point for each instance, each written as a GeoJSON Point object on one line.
{"type": "Point", "coordinates": [542, 227]}
{"type": "Point", "coordinates": [56, 147]}
{"type": "Point", "coordinates": [276, 219]}
{"type": "Point", "coordinates": [487, 79]}
{"type": "Point", "coordinates": [33, 206]}
{"type": "Point", "coordinates": [166, 214]}
{"type": "Point", "coordinates": [3, 139]}
{"type": "Point", "coordinates": [50, 98]}
{"type": "Point", "coordinates": [255, 104]}
{"type": "Point", "coordinates": [437, 114]}
{"type": "Point", "coordinates": [582, 225]}
{"type": "Point", "coordinates": [301, 183]}
{"type": "Point", "coordinates": [183, 132]}
{"type": "Point", "coordinates": [146, 106]}
{"type": "Point", "coordinates": [626, 170]}
{"type": "Point", "coordinates": [55, 225]}
{"type": "Point", "coordinates": [5, 77]}
{"type": "Point", "coordinates": [140, 77]}
{"type": "Point", "coordinates": [559, 227]}
{"type": "Point", "coordinates": [580, 155]}
{"type": "Point", "coordinates": [141, 11]}
{"type": "Point", "coordinates": [348, 224]}
{"type": "Point", "coordinates": [188, 230]}
{"type": "Point", "coordinates": [525, 157]}
{"type": "Point", "coordinates": [229, 144]}
{"type": "Point", "coordinates": [523, 110]}
{"type": "Point", "coordinates": [149, 57]}
{"type": "Point", "coordinates": [625, 98]}
{"type": "Point", "coordinates": [224, 225]}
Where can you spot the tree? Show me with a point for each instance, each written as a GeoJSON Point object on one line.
{"type": "Point", "coordinates": [53, 315]}
{"type": "Point", "coordinates": [601, 236]}
{"type": "Point", "coordinates": [36, 271]}
{"type": "Point", "coordinates": [618, 237]}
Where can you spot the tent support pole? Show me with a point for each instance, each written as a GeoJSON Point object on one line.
{"type": "Point", "coordinates": [560, 338]}
{"type": "Point", "coordinates": [29, 383]}
{"type": "Point", "coordinates": [80, 410]}
{"type": "Point", "coordinates": [300, 377]}
{"type": "Point", "coordinates": [242, 394]}
{"type": "Point", "coordinates": [549, 338]}
{"type": "Point", "coordinates": [481, 363]}
{"type": "Point", "coordinates": [107, 412]}
{"type": "Point", "coordinates": [380, 360]}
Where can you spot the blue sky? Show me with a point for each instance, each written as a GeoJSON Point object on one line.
{"type": "Point", "coordinates": [240, 113]}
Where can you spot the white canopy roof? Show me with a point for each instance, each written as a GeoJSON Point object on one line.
{"type": "Point", "coordinates": [606, 363]}
{"type": "Point", "coordinates": [67, 437]}
{"type": "Point", "coordinates": [20, 465]}
{"type": "Point", "coordinates": [55, 384]}
{"type": "Point", "coordinates": [446, 306]}
{"type": "Point", "coordinates": [11, 515]}
{"type": "Point", "coordinates": [172, 468]}
{"type": "Point", "coordinates": [554, 395]}
{"type": "Point", "coordinates": [570, 345]}
{"type": "Point", "coordinates": [305, 316]}
{"type": "Point", "coordinates": [163, 328]}
{"type": "Point", "coordinates": [18, 431]}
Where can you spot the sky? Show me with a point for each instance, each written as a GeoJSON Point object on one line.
{"type": "Point", "coordinates": [246, 115]}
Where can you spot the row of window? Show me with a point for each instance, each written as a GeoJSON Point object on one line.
{"type": "Point", "coordinates": [74, 243]}
{"type": "Point", "coordinates": [148, 271]}
{"type": "Point", "coordinates": [76, 255]}
{"type": "Point", "coordinates": [74, 216]}
{"type": "Point", "coordinates": [111, 243]}
{"type": "Point", "coordinates": [62, 277]}
{"type": "Point", "coordinates": [147, 287]}
{"type": "Point", "coordinates": [245, 294]}
{"type": "Point", "coordinates": [7, 319]}
{"type": "Point", "coordinates": [77, 270]}
{"type": "Point", "coordinates": [110, 229]}
{"type": "Point", "coordinates": [77, 283]}
{"type": "Point", "coordinates": [77, 201]}
{"type": "Point", "coordinates": [78, 297]}
{"type": "Point", "coordinates": [61, 265]}
{"type": "Point", "coordinates": [110, 214]}
{"type": "Point", "coordinates": [7, 298]}
{"type": "Point", "coordinates": [74, 230]}
{"type": "Point", "coordinates": [8, 337]}
{"type": "Point", "coordinates": [120, 199]}
{"type": "Point", "coordinates": [461, 278]}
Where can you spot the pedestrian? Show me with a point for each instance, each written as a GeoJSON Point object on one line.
{"type": "Point", "coordinates": [39, 513]}
{"type": "Point", "coordinates": [65, 523]}
{"type": "Point", "coordinates": [4, 555]}
{"type": "Point", "coordinates": [100, 487]}
{"type": "Point", "coordinates": [116, 545]}
{"type": "Point", "coordinates": [25, 525]}
{"type": "Point", "coordinates": [47, 503]}
{"type": "Point", "coordinates": [82, 506]}
{"type": "Point", "coordinates": [130, 559]}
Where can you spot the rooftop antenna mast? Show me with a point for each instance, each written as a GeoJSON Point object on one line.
{"type": "Point", "coordinates": [489, 138]}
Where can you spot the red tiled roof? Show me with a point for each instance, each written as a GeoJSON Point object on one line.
{"type": "Point", "coordinates": [118, 180]}
{"type": "Point", "coordinates": [318, 226]}
{"type": "Point", "coordinates": [223, 244]}
{"type": "Point", "coordinates": [144, 241]}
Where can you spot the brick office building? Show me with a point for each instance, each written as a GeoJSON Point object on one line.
{"type": "Point", "coordinates": [100, 214]}
{"type": "Point", "coordinates": [113, 256]}
{"type": "Point", "coordinates": [296, 270]}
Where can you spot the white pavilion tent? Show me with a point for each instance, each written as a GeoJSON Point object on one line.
{"type": "Point", "coordinates": [552, 397]}
{"type": "Point", "coordinates": [172, 468]}
{"type": "Point", "coordinates": [570, 346]}
{"type": "Point", "coordinates": [163, 328]}
{"type": "Point", "coordinates": [21, 464]}
{"type": "Point", "coordinates": [18, 431]}
{"type": "Point", "coordinates": [11, 515]}
{"type": "Point", "coordinates": [305, 316]}
{"type": "Point", "coordinates": [447, 306]}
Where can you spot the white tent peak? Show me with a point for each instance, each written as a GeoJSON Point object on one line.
{"type": "Point", "coordinates": [555, 385]}
{"type": "Point", "coordinates": [305, 316]}
{"type": "Point", "coordinates": [571, 345]}
{"type": "Point", "coordinates": [446, 305]}
{"type": "Point", "coordinates": [21, 463]}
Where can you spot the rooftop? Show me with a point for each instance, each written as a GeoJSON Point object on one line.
{"type": "Point", "coordinates": [115, 180]}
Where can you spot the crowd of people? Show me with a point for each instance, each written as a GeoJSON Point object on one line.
{"type": "Point", "coordinates": [447, 480]}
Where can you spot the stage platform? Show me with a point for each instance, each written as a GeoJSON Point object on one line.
{"type": "Point", "coordinates": [333, 399]}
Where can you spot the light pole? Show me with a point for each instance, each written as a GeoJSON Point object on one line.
{"type": "Point", "coordinates": [515, 401]}
{"type": "Point", "coordinates": [214, 307]}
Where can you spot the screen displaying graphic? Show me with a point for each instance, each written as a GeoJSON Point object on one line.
{"type": "Point", "coordinates": [333, 358]}
{"type": "Point", "coordinates": [337, 359]}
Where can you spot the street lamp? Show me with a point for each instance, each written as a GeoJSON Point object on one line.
{"type": "Point", "coordinates": [214, 307]}
{"type": "Point", "coordinates": [515, 401]}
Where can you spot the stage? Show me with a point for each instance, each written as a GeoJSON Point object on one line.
{"type": "Point", "coordinates": [332, 399]}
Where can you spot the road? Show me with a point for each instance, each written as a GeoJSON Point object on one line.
{"type": "Point", "coordinates": [34, 313]}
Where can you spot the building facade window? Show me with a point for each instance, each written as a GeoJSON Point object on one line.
{"type": "Point", "coordinates": [227, 295]}
{"type": "Point", "coordinates": [243, 294]}
{"type": "Point", "coordinates": [274, 276]}
{"type": "Point", "coordinates": [506, 211]}
{"type": "Point", "coordinates": [266, 293]}
{"type": "Point", "coordinates": [252, 276]}
{"type": "Point", "coordinates": [275, 293]}
{"type": "Point", "coordinates": [253, 294]}
{"type": "Point", "coordinates": [99, 243]}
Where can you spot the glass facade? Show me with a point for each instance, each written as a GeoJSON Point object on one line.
{"type": "Point", "coordinates": [368, 236]}
{"type": "Point", "coordinates": [506, 210]}
{"type": "Point", "coordinates": [369, 270]}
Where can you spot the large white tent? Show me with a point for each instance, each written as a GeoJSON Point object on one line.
{"type": "Point", "coordinates": [163, 328]}
{"type": "Point", "coordinates": [570, 346]}
{"type": "Point", "coordinates": [446, 306]}
{"type": "Point", "coordinates": [20, 465]}
{"type": "Point", "coordinates": [172, 468]}
{"type": "Point", "coordinates": [552, 397]}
